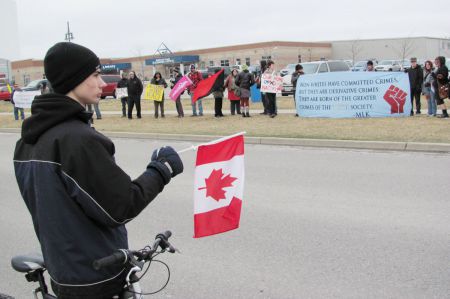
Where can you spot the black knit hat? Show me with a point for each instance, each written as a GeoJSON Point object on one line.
{"type": "Point", "coordinates": [66, 65]}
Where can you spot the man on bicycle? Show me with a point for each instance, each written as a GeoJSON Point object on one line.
{"type": "Point", "coordinates": [78, 197]}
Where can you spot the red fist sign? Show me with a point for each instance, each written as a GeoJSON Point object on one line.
{"type": "Point", "coordinates": [396, 98]}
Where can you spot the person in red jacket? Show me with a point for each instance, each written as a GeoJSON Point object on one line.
{"type": "Point", "coordinates": [195, 77]}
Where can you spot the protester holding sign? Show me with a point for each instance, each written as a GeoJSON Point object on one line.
{"type": "Point", "coordinates": [298, 72]}
{"type": "Point", "coordinates": [159, 80]}
{"type": "Point", "coordinates": [441, 83]}
{"type": "Point", "coordinates": [122, 84]}
{"type": "Point", "coordinates": [415, 74]}
{"type": "Point", "coordinates": [135, 89]}
{"type": "Point", "coordinates": [271, 95]}
{"type": "Point", "coordinates": [245, 80]}
{"type": "Point", "coordinates": [233, 92]}
{"type": "Point", "coordinates": [176, 78]}
{"type": "Point", "coordinates": [428, 88]}
{"type": "Point", "coordinates": [258, 82]}
{"type": "Point", "coordinates": [17, 110]}
{"type": "Point", "coordinates": [195, 76]}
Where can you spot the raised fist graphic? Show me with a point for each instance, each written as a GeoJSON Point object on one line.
{"type": "Point", "coordinates": [396, 98]}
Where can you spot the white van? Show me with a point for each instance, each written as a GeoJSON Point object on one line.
{"type": "Point", "coordinates": [314, 67]}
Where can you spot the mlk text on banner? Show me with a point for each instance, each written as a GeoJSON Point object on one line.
{"type": "Point", "coordinates": [218, 186]}
{"type": "Point", "coordinates": [181, 86]}
{"type": "Point", "coordinates": [353, 95]}
{"type": "Point", "coordinates": [23, 99]}
{"type": "Point", "coordinates": [271, 83]}
{"type": "Point", "coordinates": [153, 92]}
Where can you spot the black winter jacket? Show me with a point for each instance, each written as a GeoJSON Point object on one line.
{"type": "Point", "coordinates": [135, 87]}
{"type": "Point", "coordinates": [416, 78]}
{"type": "Point", "coordinates": [245, 80]}
{"type": "Point", "coordinates": [78, 197]}
{"type": "Point", "coordinates": [122, 83]}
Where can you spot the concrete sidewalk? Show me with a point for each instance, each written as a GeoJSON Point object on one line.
{"type": "Point", "coordinates": [323, 143]}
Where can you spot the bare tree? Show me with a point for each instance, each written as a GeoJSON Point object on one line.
{"type": "Point", "coordinates": [405, 48]}
{"type": "Point", "coordinates": [141, 61]}
{"type": "Point", "coordinates": [355, 49]}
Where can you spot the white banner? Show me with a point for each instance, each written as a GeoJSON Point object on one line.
{"type": "Point", "coordinates": [353, 94]}
{"type": "Point", "coordinates": [23, 99]}
{"type": "Point", "coordinates": [121, 93]}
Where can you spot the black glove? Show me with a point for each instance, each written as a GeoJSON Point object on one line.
{"type": "Point", "coordinates": [167, 162]}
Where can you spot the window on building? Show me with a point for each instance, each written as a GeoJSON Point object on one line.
{"type": "Point", "coordinates": [202, 65]}
{"type": "Point", "coordinates": [225, 62]}
{"type": "Point", "coordinates": [247, 61]}
{"type": "Point", "coordinates": [238, 61]}
{"type": "Point", "coordinates": [299, 58]}
{"type": "Point", "coordinates": [266, 57]}
{"type": "Point", "coordinates": [211, 63]}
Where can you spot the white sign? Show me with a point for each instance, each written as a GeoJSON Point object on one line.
{"type": "Point", "coordinates": [271, 83]}
{"type": "Point", "coordinates": [121, 93]}
{"type": "Point", "coordinates": [23, 99]}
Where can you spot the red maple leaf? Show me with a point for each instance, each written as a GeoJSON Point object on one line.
{"type": "Point", "coordinates": [215, 184]}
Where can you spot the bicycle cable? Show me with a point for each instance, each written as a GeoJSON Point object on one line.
{"type": "Point", "coordinates": [163, 287]}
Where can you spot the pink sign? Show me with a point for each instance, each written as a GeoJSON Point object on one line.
{"type": "Point", "coordinates": [181, 86]}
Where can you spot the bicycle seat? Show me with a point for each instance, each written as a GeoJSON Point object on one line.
{"type": "Point", "coordinates": [27, 263]}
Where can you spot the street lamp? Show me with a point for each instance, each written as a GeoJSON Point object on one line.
{"type": "Point", "coordinates": [69, 35]}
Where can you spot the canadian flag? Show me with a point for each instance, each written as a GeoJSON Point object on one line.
{"type": "Point", "coordinates": [218, 186]}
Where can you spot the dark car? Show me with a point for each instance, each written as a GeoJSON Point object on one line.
{"type": "Point", "coordinates": [111, 84]}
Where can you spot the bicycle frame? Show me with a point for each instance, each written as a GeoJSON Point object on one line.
{"type": "Point", "coordinates": [136, 260]}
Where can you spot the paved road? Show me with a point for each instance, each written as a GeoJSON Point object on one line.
{"type": "Point", "coordinates": [316, 223]}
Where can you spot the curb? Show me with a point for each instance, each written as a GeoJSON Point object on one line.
{"type": "Point", "coordinates": [324, 143]}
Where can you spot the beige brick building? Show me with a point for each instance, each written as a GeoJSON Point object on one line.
{"type": "Point", "coordinates": [282, 53]}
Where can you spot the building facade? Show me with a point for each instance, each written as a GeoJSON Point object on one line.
{"type": "Point", "coordinates": [424, 48]}
{"type": "Point", "coordinates": [282, 53]}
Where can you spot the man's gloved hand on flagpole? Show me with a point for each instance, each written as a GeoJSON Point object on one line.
{"type": "Point", "coordinates": [167, 161]}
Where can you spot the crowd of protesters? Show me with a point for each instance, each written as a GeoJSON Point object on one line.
{"type": "Point", "coordinates": [431, 81]}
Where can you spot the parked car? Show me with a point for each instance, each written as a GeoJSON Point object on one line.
{"type": "Point", "coordinates": [111, 85]}
{"type": "Point", "coordinates": [5, 95]}
{"type": "Point", "coordinates": [361, 66]}
{"type": "Point", "coordinates": [349, 63]}
{"type": "Point", "coordinates": [35, 85]}
{"type": "Point", "coordinates": [315, 67]}
{"type": "Point", "coordinates": [389, 66]}
{"type": "Point", "coordinates": [288, 70]}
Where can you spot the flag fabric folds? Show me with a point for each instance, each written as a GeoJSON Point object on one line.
{"type": "Point", "coordinates": [207, 86]}
{"type": "Point", "coordinates": [218, 186]}
{"type": "Point", "coordinates": [181, 86]}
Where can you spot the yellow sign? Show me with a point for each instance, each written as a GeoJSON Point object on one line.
{"type": "Point", "coordinates": [153, 92]}
{"type": "Point", "coordinates": [9, 88]}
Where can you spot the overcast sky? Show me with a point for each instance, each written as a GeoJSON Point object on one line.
{"type": "Point", "coordinates": [113, 28]}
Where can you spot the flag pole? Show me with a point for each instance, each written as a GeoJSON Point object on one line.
{"type": "Point", "coordinates": [194, 147]}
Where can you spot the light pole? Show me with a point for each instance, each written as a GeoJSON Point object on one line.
{"type": "Point", "coordinates": [69, 35]}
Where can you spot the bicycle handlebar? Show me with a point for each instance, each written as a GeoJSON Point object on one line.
{"type": "Point", "coordinates": [115, 258]}
{"type": "Point", "coordinates": [121, 257]}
